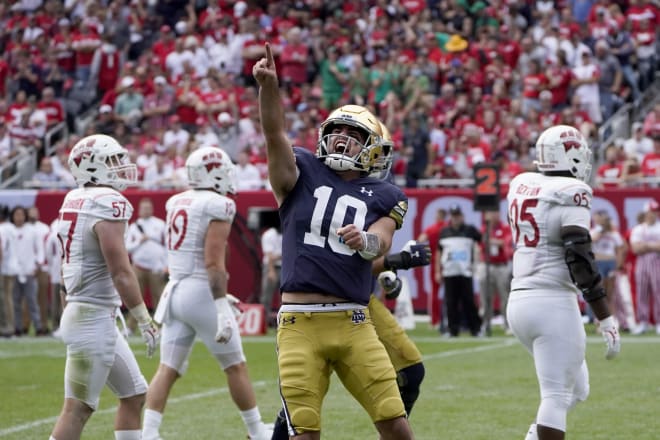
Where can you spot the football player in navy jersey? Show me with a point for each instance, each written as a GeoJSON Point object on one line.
{"type": "Point", "coordinates": [335, 221]}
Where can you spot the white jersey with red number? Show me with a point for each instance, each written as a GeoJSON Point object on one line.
{"type": "Point", "coordinates": [539, 206]}
{"type": "Point", "coordinates": [188, 216]}
{"type": "Point", "coordinates": [84, 270]}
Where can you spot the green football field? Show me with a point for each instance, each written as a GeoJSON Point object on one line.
{"type": "Point", "coordinates": [474, 389]}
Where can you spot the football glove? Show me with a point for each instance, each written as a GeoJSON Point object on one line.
{"type": "Point", "coordinates": [611, 335]}
{"type": "Point", "coordinates": [413, 254]}
{"type": "Point", "coordinates": [148, 328]}
{"type": "Point", "coordinates": [225, 329]}
{"type": "Point", "coordinates": [150, 335]}
{"type": "Point", "coordinates": [390, 283]}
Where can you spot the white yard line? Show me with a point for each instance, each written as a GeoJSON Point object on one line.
{"type": "Point", "coordinates": [471, 350]}
{"type": "Point", "coordinates": [184, 398]}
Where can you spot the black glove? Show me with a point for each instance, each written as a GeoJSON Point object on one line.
{"type": "Point", "coordinates": [418, 255]}
{"type": "Point", "coordinates": [390, 283]}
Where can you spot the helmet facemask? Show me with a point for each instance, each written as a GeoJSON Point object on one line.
{"type": "Point", "coordinates": [350, 139]}
{"type": "Point", "coordinates": [120, 171]}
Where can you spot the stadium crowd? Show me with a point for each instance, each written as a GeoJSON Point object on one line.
{"type": "Point", "coordinates": [456, 82]}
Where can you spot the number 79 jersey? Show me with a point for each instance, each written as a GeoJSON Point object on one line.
{"type": "Point", "coordinates": [538, 207]}
{"type": "Point", "coordinates": [84, 270]}
{"type": "Point", "coordinates": [188, 216]}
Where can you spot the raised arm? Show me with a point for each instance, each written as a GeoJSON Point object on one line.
{"type": "Point", "coordinates": [282, 171]}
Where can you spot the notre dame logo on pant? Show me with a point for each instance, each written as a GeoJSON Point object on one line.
{"type": "Point", "coordinates": [358, 317]}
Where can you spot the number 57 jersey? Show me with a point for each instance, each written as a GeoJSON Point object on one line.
{"type": "Point", "coordinates": [538, 207]}
{"type": "Point", "coordinates": [84, 270]}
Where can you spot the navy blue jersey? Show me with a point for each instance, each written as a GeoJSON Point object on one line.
{"type": "Point", "coordinates": [313, 258]}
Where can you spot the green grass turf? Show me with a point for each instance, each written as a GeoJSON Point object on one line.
{"type": "Point", "coordinates": [474, 389]}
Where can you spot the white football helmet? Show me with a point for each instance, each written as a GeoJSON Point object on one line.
{"type": "Point", "coordinates": [370, 150]}
{"type": "Point", "coordinates": [563, 148]}
{"type": "Point", "coordinates": [211, 168]}
{"type": "Point", "coordinates": [383, 164]}
{"type": "Point", "coordinates": [99, 159]}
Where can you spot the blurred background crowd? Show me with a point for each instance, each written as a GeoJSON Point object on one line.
{"type": "Point", "coordinates": [456, 81]}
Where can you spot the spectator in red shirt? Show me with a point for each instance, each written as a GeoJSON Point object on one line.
{"type": "Point", "coordinates": [651, 161]}
{"type": "Point", "coordinates": [52, 107]}
{"type": "Point", "coordinates": [494, 272]}
{"type": "Point", "coordinates": [294, 57]}
{"type": "Point", "coordinates": [164, 45]}
{"type": "Point", "coordinates": [432, 236]}
{"type": "Point", "coordinates": [609, 173]}
{"type": "Point", "coordinates": [559, 80]}
{"type": "Point", "coordinates": [157, 105]}
{"type": "Point", "coordinates": [84, 44]}
{"type": "Point", "coordinates": [533, 83]}
{"type": "Point", "coordinates": [106, 65]}
{"type": "Point", "coordinates": [15, 109]}
{"type": "Point", "coordinates": [62, 46]}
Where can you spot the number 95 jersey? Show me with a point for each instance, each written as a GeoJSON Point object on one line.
{"type": "Point", "coordinates": [84, 270]}
{"type": "Point", "coordinates": [538, 207]}
{"type": "Point", "coordinates": [188, 216]}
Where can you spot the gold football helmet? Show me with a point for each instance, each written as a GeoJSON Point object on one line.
{"type": "Point", "coordinates": [334, 148]}
{"type": "Point", "coordinates": [384, 163]}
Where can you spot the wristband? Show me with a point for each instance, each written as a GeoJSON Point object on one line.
{"type": "Point", "coordinates": [396, 261]}
{"type": "Point", "coordinates": [140, 313]}
{"type": "Point", "coordinates": [371, 246]}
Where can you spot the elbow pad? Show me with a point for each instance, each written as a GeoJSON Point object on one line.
{"type": "Point", "coordinates": [582, 266]}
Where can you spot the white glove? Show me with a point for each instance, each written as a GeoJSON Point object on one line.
{"type": "Point", "coordinates": [148, 328]}
{"type": "Point", "coordinates": [150, 335]}
{"type": "Point", "coordinates": [235, 305]}
{"type": "Point", "coordinates": [611, 335]}
{"type": "Point", "coordinates": [224, 332]}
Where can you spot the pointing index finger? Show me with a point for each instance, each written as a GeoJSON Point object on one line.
{"type": "Point", "coordinates": [269, 55]}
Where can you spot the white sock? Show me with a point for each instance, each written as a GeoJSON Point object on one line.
{"type": "Point", "coordinates": [135, 434]}
{"type": "Point", "coordinates": [252, 420]}
{"type": "Point", "coordinates": [51, 438]}
{"type": "Point", "coordinates": [532, 434]}
{"type": "Point", "coordinates": [151, 424]}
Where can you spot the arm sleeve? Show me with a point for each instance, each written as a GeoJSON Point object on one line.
{"type": "Point", "coordinates": [575, 216]}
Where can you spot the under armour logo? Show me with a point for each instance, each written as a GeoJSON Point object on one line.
{"type": "Point", "coordinates": [415, 254]}
{"type": "Point", "coordinates": [358, 317]}
{"type": "Point", "coordinates": [287, 320]}
{"type": "Point", "coordinates": [367, 191]}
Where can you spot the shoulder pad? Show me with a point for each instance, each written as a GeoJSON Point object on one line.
{"type": "Point", "coordinates": [111, 205]}
{"type": "Point", "coordinates": [221, 208]}
{"type": "Point", "coordinates": [575, 193]}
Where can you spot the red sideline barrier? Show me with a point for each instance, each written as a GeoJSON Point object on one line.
{"type": "Point", "coordinates": [623, 205]}
{"type": "Point", "coordinates": [253, 320]}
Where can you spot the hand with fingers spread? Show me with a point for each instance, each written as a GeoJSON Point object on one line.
{"type": "Point", "coordinates": [264, 70]}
